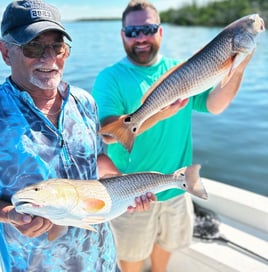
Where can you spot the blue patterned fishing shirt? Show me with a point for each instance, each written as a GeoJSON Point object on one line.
{"type": "Point", "coordinates": [32, 149]}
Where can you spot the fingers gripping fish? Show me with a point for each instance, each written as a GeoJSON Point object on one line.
{"type": "Point", "coordinates": [213, 64]}
{"type": "Point", "coordinates": [81, 203]}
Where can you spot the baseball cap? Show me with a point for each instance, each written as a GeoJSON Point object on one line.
{"type": "Point", "coordinates": [26, 19]}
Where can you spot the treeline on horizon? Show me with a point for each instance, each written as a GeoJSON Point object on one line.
{"type": "Point", "coordinates": [216, 13]}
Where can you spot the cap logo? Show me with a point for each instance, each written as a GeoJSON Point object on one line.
{"type": "Point", "coordinates": [37, 13]}
{"type": "Point", "coordinates": [38, 9]}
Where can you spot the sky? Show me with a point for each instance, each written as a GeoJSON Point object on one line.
{"type": "Point", "coordinates": [76, 9]}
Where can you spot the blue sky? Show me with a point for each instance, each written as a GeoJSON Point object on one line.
{"type": "Point", "coordinates": [74, 9]}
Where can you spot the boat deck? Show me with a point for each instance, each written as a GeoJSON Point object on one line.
{"type": "Point", "coordinates": [243, 220]}
{"type": "Point", "coordinates": [204, 256]}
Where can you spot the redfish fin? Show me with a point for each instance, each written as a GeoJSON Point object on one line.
{"type": "Point", "coordinates": [93, 205]}
{"type": "Point", "coordinates": [90, 228]}
{"type": "Point", "coordinates": [120, 130]}
{"type": "Point", "coordinates": [87, 222]}
{"type": "Point", "coordinates": [159, 81]}
{"type": "Point", "coordinates": [232, 63]}
{"type": "Point", "coordinates": [56, 232]}
{"type": "Point", "coordinates": [194, 184]}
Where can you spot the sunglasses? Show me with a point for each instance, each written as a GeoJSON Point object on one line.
{"type": "Point", "coordinates": [134, 31]}
{"type": "Point", "coordinates": [36, 50]}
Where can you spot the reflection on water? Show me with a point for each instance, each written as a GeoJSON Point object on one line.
{"type": "Point", "coordinates": [232, 147]}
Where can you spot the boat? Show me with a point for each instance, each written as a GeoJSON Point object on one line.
{"type": "Point", "coordinates": [230, 233]}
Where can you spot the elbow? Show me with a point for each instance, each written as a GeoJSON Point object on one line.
{"type": "Point", "coordinates": [216, 110]}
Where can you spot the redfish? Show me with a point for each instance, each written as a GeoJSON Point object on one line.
{"type": "Point", "coordinates": [213, 64]}
{"type": "Point", "coordinates": [81, 203]}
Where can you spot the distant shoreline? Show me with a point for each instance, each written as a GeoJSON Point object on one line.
{"type": "Point", "coordinates": [94, 19]}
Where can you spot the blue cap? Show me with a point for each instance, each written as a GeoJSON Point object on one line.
{"type": "Point", "coordinates": [26, 19]}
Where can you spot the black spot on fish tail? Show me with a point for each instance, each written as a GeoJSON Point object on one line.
{"type": "Point", "coordinates": [127, 119]}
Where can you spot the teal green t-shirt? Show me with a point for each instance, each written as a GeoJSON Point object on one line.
{"type": "Point", "coordinates": [165, 147]}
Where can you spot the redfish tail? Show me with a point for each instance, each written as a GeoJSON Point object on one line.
{"type": "Point", "coordinates": [193, 183]}
{"type": "Point", "coordinates": [121, 131]}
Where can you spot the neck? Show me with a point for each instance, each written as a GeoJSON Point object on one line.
{"type": "Point", "coordinates": [155, 60]}
{"type": "Point", "coordinates": [50, 106]}
{"type": "Point", "coordinates": [48, 101]}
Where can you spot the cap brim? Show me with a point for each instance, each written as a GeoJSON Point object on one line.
{"type": "Point", "coordinates": [25, 34]}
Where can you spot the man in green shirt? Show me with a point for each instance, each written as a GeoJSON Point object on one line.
{"type": "Point", "coordinates": [164, 147]}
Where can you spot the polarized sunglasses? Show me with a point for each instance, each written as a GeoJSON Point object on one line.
{"type": "Point", "coordinates": [36, 50]}
{"type": "Point", "coordinates": [134, 31]}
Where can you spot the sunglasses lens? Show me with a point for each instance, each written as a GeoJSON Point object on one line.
{"type": "Point", "coordinates": [131, 31]}
{"type": "Point", "coordinates": [60, 48]}
{"type": "Point", "coordinates": [134, 31]}
{"type": "Point", "coordinates": [32, 50]}
{"type": "Point", "coordinates": [36, 50]}
{"type": "Point", "coordinates": [148, 30]}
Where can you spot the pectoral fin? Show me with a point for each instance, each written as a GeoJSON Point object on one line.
{"type": "Point", "coordinates": [233, 63]}
{"type": "Point", "coordinates": [229, 65]}
{"type": "Point", "coordinates": [93, 205]}
{"type": "Point", "coordinates": [87, 222]}
{"type": "Point", "coordinates": [90, 228]}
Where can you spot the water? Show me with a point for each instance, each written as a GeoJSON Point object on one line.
{"type": "Point", "coordinates": [232, 147]}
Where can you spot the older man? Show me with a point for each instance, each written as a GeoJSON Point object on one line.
{"type": "Point", "coordinates": [48, 130]}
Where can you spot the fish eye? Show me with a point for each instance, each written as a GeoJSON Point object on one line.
{"type": "Point", "coordinates": [36, 189]}
{"type": "Point", "coordinates": [182, 175]}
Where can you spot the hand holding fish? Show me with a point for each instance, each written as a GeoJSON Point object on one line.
{"type": "Point", "coordinates": [221, 97]}
{"type": "Point", "coordinates": [82, 203]}
{"type": "Point", "coordinates": [164, 113]}
{"type": "Point", "coordinates": [28, 225]}
{"type": "Point", "coordinates": [143, 203]}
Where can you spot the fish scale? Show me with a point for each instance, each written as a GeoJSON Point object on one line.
{"type": "Point", "coordinates": [213, 64]}
{"type": "Point", "coordinates": [130, 185]}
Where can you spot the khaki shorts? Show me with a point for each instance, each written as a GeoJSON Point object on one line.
{"type": "Point", "coordinates": [168, 224]}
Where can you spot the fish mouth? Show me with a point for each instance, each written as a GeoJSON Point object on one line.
{"type": "Point", "coordinates": [25, 203]}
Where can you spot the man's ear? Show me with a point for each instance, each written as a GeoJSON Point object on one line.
{"type": "Point", "coordinates": [5, 53]}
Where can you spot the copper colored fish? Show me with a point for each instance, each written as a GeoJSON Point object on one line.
{"type": "Point", "coordinates": [81, 203]}
{"type": "Point", "coordinates": [213, 64]}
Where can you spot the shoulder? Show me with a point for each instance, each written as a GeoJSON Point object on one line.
{"type": "Point", "coordinates": [169, 62]}
{"type": "Point", "coordinates": [6, 86]}
{"type": "Point", "coordinates": [109, 79]}
{"type": "Point", "coordinates": [112, 70]}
